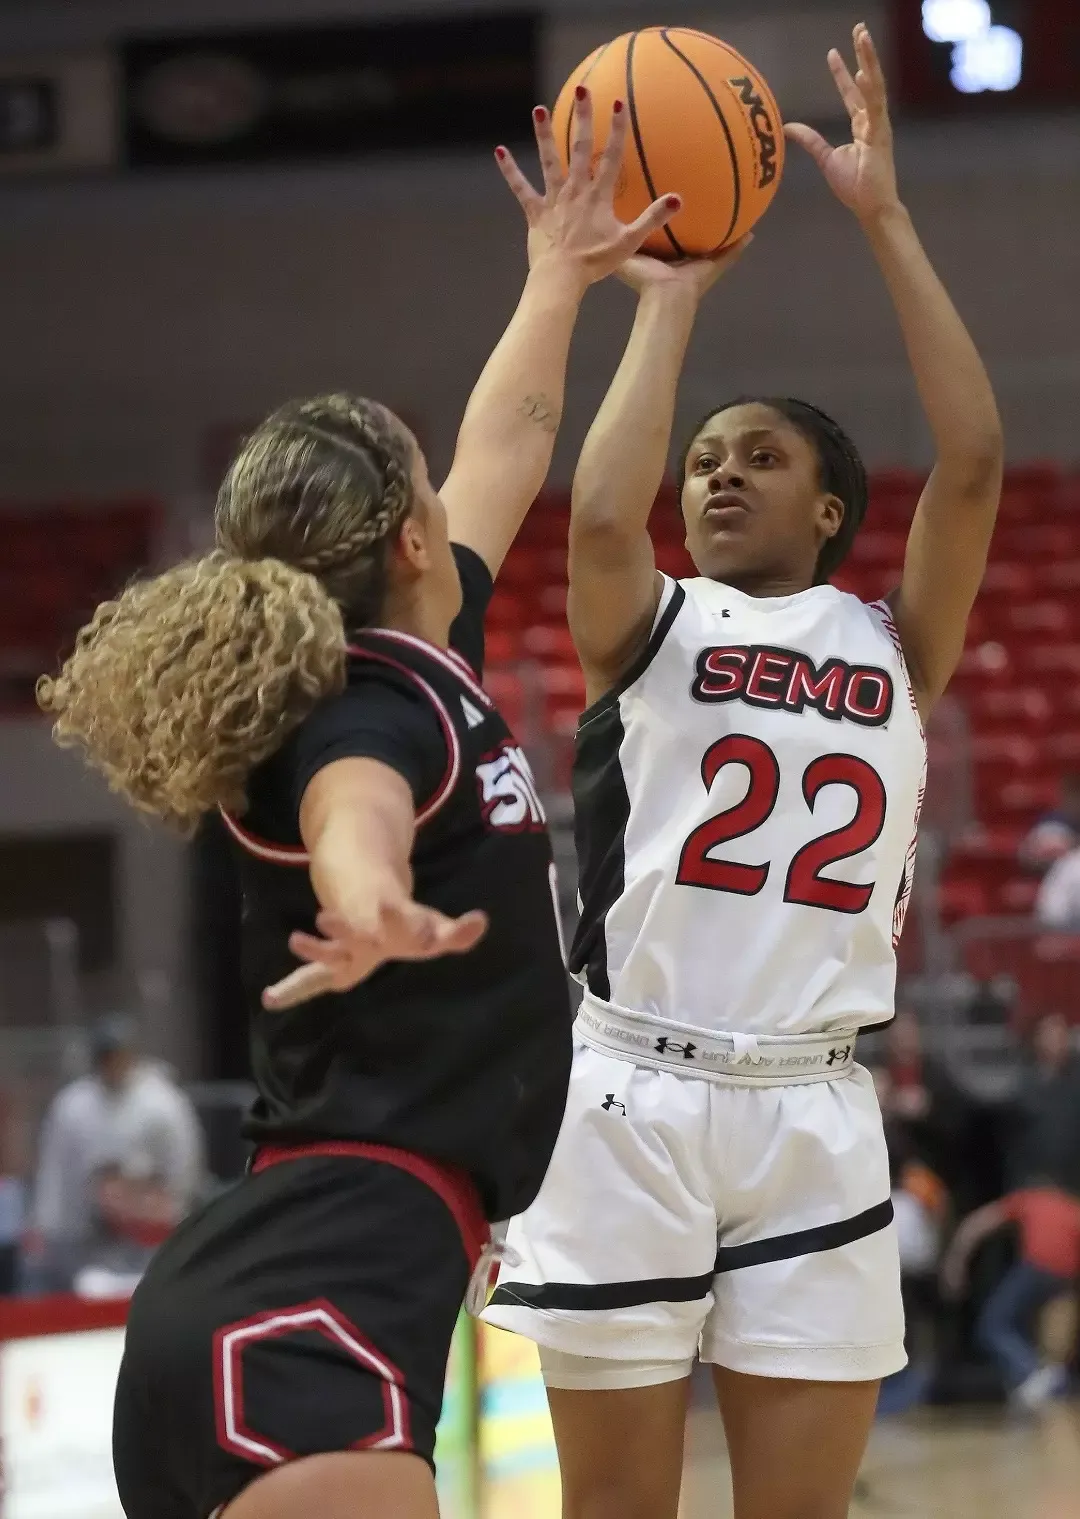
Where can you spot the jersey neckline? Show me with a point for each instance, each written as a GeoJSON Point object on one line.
{"type": "Point", "coordinates": [763, 603]}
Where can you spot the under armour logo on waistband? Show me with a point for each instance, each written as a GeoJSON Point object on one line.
{"type": "Point", "coordinates": [837, 1055]}
{"type": "Point", "coordinates": [666, 1046]}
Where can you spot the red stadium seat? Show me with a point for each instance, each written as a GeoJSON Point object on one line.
{"type": "Point", "coordinates": [1047, 659]}
{"type": "Point", "coordinates": [1059, 575]}
{"type": "Point", "coordinates": [998, 706]}
{"type": "Point", "coordinates": [1042, 619]}
{"type": "Point", "coordinates": [962, 897]}
{"type": "Point", "coordinates": [1008, 577]}
{"type": "Point", "coordinates": [1016, 895]}
{"type": "Point", "coordinates": [502, 646]}
{"type": "Point", "coordinates": [1023, 799]}
{"type": "Point", "coordinates": [983, 842]}
{"type": "Point", "coordinates": [880, 548]}
{"type": "Point", "coordinates": [1037, 540]}
{"type": "Point", "coordinates": [550, 642]}
{"type": "Point", "coordinates": [1063, 748]}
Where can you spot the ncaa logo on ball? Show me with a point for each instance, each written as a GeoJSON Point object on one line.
{"type": "Point", "coordinates": [761, 124]}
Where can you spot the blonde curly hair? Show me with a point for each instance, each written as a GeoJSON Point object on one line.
{"type": "Point", "coordinates": [182, 685]}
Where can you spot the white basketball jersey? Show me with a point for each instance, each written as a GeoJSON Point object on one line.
{"type": "Point", "coordinates": [747, 802]}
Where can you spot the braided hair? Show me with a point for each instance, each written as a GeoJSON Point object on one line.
{"type": "Point", "coordinates": [182, 685]}
{"type": "Point", "coordinates": [322, 485]}
{"type": "Point", "coordinates": [841, 471]}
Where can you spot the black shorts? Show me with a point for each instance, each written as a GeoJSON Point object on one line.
{"type": "Point", "coordinates": [308, 1309]}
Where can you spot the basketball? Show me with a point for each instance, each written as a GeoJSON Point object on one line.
{"type": "Point", "coordinates": [703, 124]}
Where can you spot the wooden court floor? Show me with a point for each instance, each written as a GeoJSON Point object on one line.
{"type": "Point", "coordinates": [931, 1464]}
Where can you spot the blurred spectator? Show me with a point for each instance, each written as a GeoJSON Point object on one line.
{"type": "Point", "coordinates": [927, 1116]}
{"type": "Point", "coordinates": [1048, 1221]}
{"type": "Point", "coordinates": [1046, 1114]}
{"type": "Point", "coordinates": [11, 1197]}
{"type": "Point", "coordinates": [109, 1140]}
{"type": "Point", "coordinates": [920, 1207]}
{"type": "Point", "coordinates": [1055, 833]}
{"type": "Point", "coordinates": [1057, 905]}
{"type": "Point", "coordinates": [11, 1225]}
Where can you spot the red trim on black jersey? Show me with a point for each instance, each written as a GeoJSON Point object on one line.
{"type": "Point", "coordinates": [264, 849]}
{"type": "Point", "coordinates": [454, 1186]}
{"type": "Point", "coordinates": [453, 748]}
{"type": "Point", "coordinates": [450, 659]}
{"type": "Point", "coordinates": [320, 1315]}
{"type": "Point", "coordinates": [294, 854]}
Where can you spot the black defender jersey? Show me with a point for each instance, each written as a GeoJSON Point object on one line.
{"type": "Point", "coordinates": [464, 1059]}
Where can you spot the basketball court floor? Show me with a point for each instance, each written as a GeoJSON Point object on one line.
{"type": "Point", "coordinates": [932, 1464]}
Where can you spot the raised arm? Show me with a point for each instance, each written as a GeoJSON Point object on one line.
{"type": "Point", "coordinates": [614, 586]}
{"type": "Point", "coordinates": [357, 820]}
{"type": "Point", "coordinates": [950, 535]}
{"type": "Point", "coordinates": [508, 433]}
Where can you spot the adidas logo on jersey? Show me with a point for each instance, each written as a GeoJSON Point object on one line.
{"type": "Point", "coordinates": [764, 676]}
{"type": "Point", "coordinates": [473, 716]}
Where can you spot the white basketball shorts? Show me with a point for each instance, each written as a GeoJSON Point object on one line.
{"type": "Point", "coordinates": [751, 1226]}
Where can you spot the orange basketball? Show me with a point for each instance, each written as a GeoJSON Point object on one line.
{"type": "Point", "coordinates": [703, 124]}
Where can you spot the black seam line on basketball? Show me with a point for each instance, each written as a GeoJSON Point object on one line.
{"type": "Point", "coordinates": [643, 661]}
{"type": "Point", "coordinates": [734, 52]}
{"type": "Point", "coordinates": [700, 77]}
{"type": "Point", "coordinates": [679, 250]}
{"type": "Point", "coordinates": [589, 1299]}
{"type": "Point", "coordinates": [784, 1247]}
{"type": "Point", "coordinates": [584, 80]}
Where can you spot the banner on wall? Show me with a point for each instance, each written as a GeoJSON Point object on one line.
{"type": "Point", "coordinates": [58, 112]}
{"type": "Point", "coordinates": [310, 93]}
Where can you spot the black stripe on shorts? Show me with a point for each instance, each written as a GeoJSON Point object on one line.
{"type": "Point", "coordinates": [584, 1298]}
{"type": "Point", "coordinates": [783, 1247]}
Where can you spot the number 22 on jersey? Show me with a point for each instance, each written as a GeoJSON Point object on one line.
{"type": "Point", "coordinates": [804, 883]}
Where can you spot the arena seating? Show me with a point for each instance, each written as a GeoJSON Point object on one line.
{"type": "Point", "coordinates": [57, 563]}
{"type": "Point", "coordinates": [1018, 682]}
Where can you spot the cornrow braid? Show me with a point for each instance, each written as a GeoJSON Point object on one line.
{"type": "Point", "coordinates": [322, 484]}
{"type": "Point", "coordinates": [841, 471]}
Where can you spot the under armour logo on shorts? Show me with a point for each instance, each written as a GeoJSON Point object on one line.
{"type": "Point", "coordinates": [610, 1103]}
{"type": "Point", "coordinates": [837, 1055]}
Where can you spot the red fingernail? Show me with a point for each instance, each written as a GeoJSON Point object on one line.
{"type": "Point", "coordinates": [539, 114]}
{"type": "Point", "coordinates": [500, 154]}
{"type": "Point", "coordinates": [673, 202]}
{"type": "Point", "coordinates": [618, 108]}
{"type": "Point", "coordinates": [581, 92]}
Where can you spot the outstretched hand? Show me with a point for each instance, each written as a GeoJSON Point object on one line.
{"type": "Point", "coordinates": [574, 219]}
{"type": "Point", "coordinates": [861, 173]}
{"type": "Point", "coordinates": [394, 927]}
{"type": "Point", "coordinates": [696, 275]}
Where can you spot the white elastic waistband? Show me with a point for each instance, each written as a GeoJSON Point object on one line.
{"type": "Point", "coordinates": [754, 1059]}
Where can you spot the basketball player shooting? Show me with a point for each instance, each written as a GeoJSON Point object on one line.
{"type": "Point", "coordinates": [748, 779]}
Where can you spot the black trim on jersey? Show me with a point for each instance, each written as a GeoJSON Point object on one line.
{"type": "Point", "coordinates": [644, 659]}
{"type": "Point", "coordinates": [783, 1247]}
{"type": "Point", "coordinates": [587, 1299]}
{"type": "Point", "coordinates": [602, 810]}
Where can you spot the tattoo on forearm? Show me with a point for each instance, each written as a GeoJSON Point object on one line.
{"type": "Point", "coordinates": [539, 409]}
